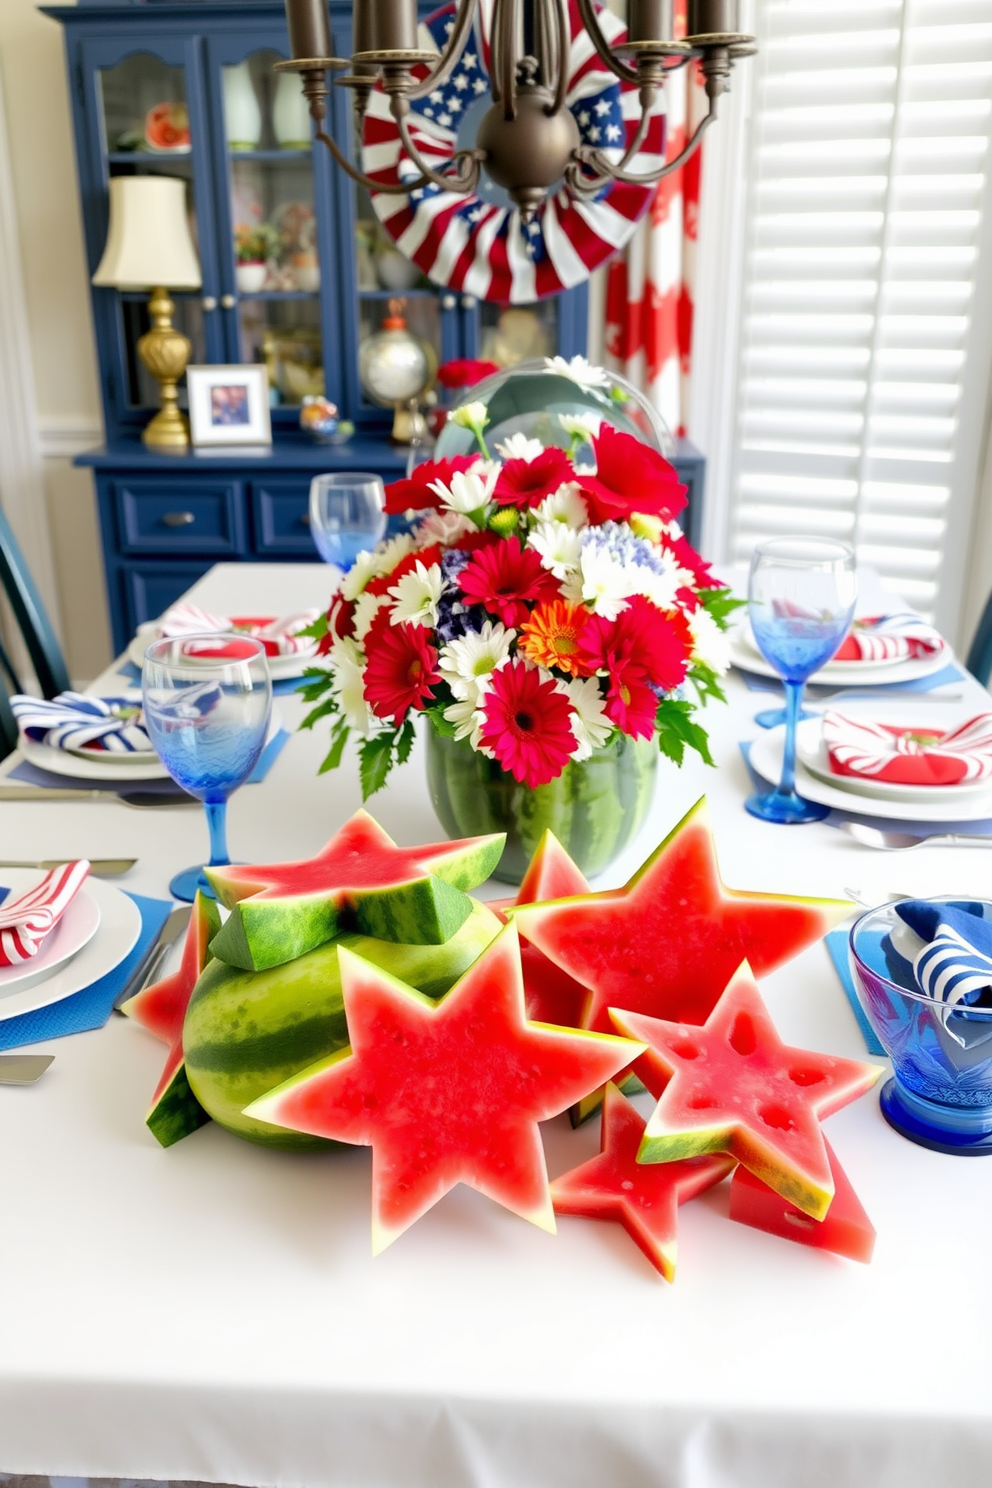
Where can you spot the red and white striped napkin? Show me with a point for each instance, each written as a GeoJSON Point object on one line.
{"type": "Point", "coordinates": [889, 638]}
{"type": "Point", "coordinates": [25, 922]}
{"type": "Point", "coordinates": [909, 756]}
{"type": "Point", "coordinates": [279, 636]}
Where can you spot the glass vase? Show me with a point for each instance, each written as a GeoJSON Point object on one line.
{"type": "Point", "coordinates": [595, 807]}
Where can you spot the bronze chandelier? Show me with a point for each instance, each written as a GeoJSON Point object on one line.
{"type": "Point", "coordinates": [528, 140]}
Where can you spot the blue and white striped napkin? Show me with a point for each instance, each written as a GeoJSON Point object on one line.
{"type": "Point", "coordinates": [949, 947]}
{"type": "Point", "coordinates": [74, 721]}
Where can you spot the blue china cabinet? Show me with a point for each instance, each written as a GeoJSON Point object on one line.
{"type": "Point", "coordinates": [187, 89]}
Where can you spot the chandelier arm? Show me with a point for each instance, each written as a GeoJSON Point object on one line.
{"type": "Point", "coordinates": [619, 69]}
{"type": "Point", "coordinates": [400, 189]}
{"type": "Point", "coordinates": [469, 162]}
{"type": "Point", "coordinates": [503, 71]}
{"type": "Point", "coordinates": [643, 126]}
{"type": "Point", "coordinates": [564, 39]}
{"type": "Point", "coordinates": [607, 171]}
{"type": "Point", "coordinates": [464, 16]}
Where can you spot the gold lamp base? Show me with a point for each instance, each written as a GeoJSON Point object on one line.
{"type": "Point", "coordinates": [165, 352]}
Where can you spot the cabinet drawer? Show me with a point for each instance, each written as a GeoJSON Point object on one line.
{"type": "Point", "coordinates": [165, 516]}
{"type": "Point", "coordinates": [281, 517]}
{"type": "Point", "coordinates": [149, 589]}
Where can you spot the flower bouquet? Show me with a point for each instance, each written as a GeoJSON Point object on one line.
{"type": "Point", "coordinates": [550, 620]}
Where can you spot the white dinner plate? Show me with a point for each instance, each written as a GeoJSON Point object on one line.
{"type": "Point", "coordinates": [61, 762]}
{"type": "Point", "coordinates": [280, 667]}
{"type": "Point", "coordinates": [78, 925]}
{"type": "Point", "coordinates": [812, 750]}
{"type": "Point", "coordinates": [120, 926]}
{"type": "Point", "coordinates": [744, 653]}
{"type": "Point", "coordinates": [766, 758]}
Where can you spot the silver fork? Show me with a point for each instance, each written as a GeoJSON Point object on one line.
{"type": "Point", "coordinates": [903, 841]}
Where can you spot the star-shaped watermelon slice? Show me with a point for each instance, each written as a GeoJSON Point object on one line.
{"type": "Point", "coordinates": [846, 1230]}
{"type": "Point", "coordinates": [643, 1197]}
{"type": "Point", "coordinates": [668, 943]}
{"type": "Point", "coordinates": [360, 881]}
{"type": "Point", "coordinates": [161, 1008]}
{"type": "Point", "coordinates": [733, 1086]}
{"type": "Point", "coordinates": [445, 1093]}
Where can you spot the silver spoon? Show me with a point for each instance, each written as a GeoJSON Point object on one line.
{"type": "Point", "coordinates": [901, 841]}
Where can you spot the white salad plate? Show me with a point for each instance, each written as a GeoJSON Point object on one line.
{"type": "Point", "coordinates": [119, 928]}
{"type": "Point", "coordinates": [90, 766]}
{"type": "Point", "coordinates": [744, 653]}
{"type": "Point", "coordinates": [74, 930]}
{"type": "Point", "coordinates": [812, 750]}
{"type": "Point", "coordinates": [766, 759]}
{"type": "Point", "coordinates": [280, 667]}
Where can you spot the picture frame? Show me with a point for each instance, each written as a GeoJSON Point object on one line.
{"type": "Point", "coordinates": [229, 405]}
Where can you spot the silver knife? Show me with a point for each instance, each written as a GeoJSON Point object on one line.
{"type": "Point", "coordinates": [148, 967]}
{"type": "Point", "coordinates": [23, 1069]}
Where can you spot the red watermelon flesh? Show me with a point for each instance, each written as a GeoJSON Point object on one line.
{"type": "Point", "coordinates": [361, 881]}
{"type": "Point", "coordinates": [669, 942]}
{"type": "Point", "coordinates": [846, 1230]}
{"type": "Point", "coordinates": [552, 995]}
{"type": "Point", "coordinates": [643, 1197]}
{"type": "Point", "coordinates": [161, 1008]}
{"type": "Point", "coordinates": [445, 1093]}
{"type": "Point", "coordinates": [733, 1086]}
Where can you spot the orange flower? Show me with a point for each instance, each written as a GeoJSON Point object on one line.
{"type": "Point", "coordinates": [552, 634]}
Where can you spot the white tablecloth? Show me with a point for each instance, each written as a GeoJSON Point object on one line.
{"type": "Point", "coordinates": [214, 1312]}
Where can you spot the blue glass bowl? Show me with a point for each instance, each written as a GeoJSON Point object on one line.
{"type": "Point", "coordinates": [941, 1091]}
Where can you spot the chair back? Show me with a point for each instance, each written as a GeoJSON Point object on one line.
{"type": "Point", "coordinates": [8, 723]}
{"type": "Point", "coordinates": [32, 618]}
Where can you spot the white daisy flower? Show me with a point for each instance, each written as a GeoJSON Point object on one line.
{"type": "Point", "coordinates": [470, 415]}
{"type": "Point", "coordinates": [417, 595]}
{"type": "Point", "coordinates": [660, 589]}
{"type": "Point", "coordinates": [348, 683]}
{"type": "Point", "coordinates": [581, 425]}
{"type": "Point", "coordinates": [389, 553]}
{"type": "Point", "coordinates": [579, 370]}
{"type": "Point", "coordinates": [599, 582]}
{"type": "Point", "coordinates": [469, 490]}
{"type": "Point", "coordinates": [590, 724]}
{"type": "Point", "coordinates": [444, 527]}
{"type": "Point", "coordinates": [558, 547]}
{"type": "Point", "coordinates": [710, 644]}
{"type": "Point", "coordinates": [519, 447]}
{"type": "Point", "coordinates": [468, 721]}
{"type": "Point", "coordinates": [367, 606]}
{"type": "Point", "coordinates": [566, 505]}
{"type": "Point", "coordinates": [365, 567]}
{"type": "Point", "coordinates": [468, 662]}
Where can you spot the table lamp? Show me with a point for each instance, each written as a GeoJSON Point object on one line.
{"type": "Point", "coordinates": [149, 246]}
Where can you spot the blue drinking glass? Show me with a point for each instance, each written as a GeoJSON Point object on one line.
{"type": "Point", "coordinates": [347, 514]}
{"type": "Point", "coordinates": [801, 598]}
{"type": "Point", "coordinates": [207, 703]}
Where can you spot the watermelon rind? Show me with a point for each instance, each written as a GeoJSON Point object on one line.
{"type": "Point", "coordinates": [260, 934]}
{"type": "Point", "coordinates": [248, 1031]}
{"type": "Point", "coordinates": [175, 1112]}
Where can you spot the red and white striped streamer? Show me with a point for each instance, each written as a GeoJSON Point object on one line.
{"type": "Point", "coordinates": [907, 756]}
{"type": "Point", "coordinates": [25, 922]}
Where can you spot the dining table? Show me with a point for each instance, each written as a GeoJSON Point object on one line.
{"type": "Point", "coordinates": [212, 1312]}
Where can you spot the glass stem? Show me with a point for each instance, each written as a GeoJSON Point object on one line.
{"type": "Point", "coordinates": [793, 708]}
{"type": "Point", "coordinates": [217, 824]}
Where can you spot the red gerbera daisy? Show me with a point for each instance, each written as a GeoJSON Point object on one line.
{"type": "Point", "coordinates": [686, 557]}
{"type": "Point", "coordinates": [528, 724]}
{"type": "Point", "coordinates": [415, 493]}
{"type": "Point", "coordinates": [340, 623]}
{"type": "Point", "coordinates": [507, 579]}
{"type": "Point", "coordinates": [464, 372]}
{"type": "Point", "coordinates": [630, 477]}
{"type": "Point", "coordinates": [632, 705]}
{"type": "Point", "coordinates": [525, 483]}
{"type": "Point", "coordinates": [640, 643]}
{"type": "Point", "coordinates": [401, 668]}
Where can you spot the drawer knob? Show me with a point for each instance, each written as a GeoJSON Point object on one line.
{"type": "Point", "coordinates": [179, 519]}
{"type": "Point", "coordinates": [305, 519]}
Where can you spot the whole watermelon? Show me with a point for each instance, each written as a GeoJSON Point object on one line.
{"type": "Point", "coordinates": [247, 1031]}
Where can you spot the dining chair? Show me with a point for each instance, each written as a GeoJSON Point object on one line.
{"type": "Point", "coordinates": [32, 620]}
{"type": "Point", "coordinates": [979, 659]}
{"type": "Point", "coordinates": [8, 723]}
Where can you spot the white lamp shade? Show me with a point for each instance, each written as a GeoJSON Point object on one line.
{"type": "Point", "coordinates": [148, 240]}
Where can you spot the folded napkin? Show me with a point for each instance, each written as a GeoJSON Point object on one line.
{"type": "Point", "coordinates": [889, 638]}
{"type": "Point", "coordinates": [26, 921]}
{"type": "Point", "coordinates": [909, 756]}
{"type": "Point", "coordinates": [947, 948]}
{"type": "Point", "coordinates": [280, 637]}
{"type": "Point", "coordinates": [74, 721]}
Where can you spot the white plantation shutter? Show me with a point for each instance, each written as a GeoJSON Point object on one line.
{"type": "Point", "coordinates": [864, 342]}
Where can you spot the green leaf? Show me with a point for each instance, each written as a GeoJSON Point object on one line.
{"type": "Point", "coordinates": [706, 682]}
{"type": "Point", "coordinates": [404, 742]}
{"type": "Point", "coordinates": [317, 628]}
{"type": "Point", "coordinates": [329, 705]}
{"type": "Point", "coordinates": [439, 723]}
{"type": "Point", "coordinates": [376, 760]}
{"type": "Point", "coordinates": [676, 729]}
{"type": "Point", "coordinates": [721, 604]}
{"type": "Point", "coordinates": [339, 738]}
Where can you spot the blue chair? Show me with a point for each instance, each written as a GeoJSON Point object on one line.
{"type": "Point", "coordinates": [979, 660]}
{"type": "Point", "coordinates": [32, 620]}
{"type": "Point", "coordinates": [8, 724]}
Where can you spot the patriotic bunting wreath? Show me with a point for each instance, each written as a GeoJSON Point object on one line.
{"type": "Point", "coordinates": [475, 246]}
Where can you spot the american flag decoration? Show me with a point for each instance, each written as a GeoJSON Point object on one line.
{"type": "Point", "coordinates": [650, 289]}
{"type": "Point", "coordinates": [904, 756]}
{"type": "Point", "coordinates": [475, 246]}
{"type": "Point", "coordinates": [27, 920]}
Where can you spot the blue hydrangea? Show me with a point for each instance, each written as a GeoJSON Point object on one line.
{"type": "Point", "coordinates": [624, 547]}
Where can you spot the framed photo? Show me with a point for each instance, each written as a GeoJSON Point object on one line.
{"type": "Point", "coordinates": [229, 405]}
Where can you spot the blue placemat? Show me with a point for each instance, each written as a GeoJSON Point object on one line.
{"type": "Point", "coordinates": [822, 692]}
{"type": "Point", "coordinates": [92, 1006]}
{"type": "Point", "coordinates": [836, 943]}
{"type": "Point", "coordinates": [280, 687]}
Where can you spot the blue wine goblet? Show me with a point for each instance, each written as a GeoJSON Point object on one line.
{"type": "Point", "coordinates": [207, 703]}
{"type": "Point", "coordinates": [801, 598]}
{"type": "Point", "coordinates": [347, 514]}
